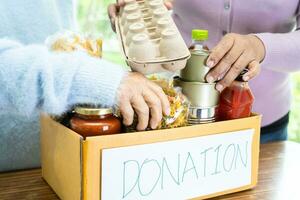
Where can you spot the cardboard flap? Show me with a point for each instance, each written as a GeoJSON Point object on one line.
{"type": "Point", "coordinates": [61, 158]}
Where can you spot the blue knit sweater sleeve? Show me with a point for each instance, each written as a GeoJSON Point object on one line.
{"type": "Point", "coordinates": [33, 79]}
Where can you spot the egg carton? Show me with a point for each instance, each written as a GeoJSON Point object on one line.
{"type": "Point", "coordinates": [149, 37]}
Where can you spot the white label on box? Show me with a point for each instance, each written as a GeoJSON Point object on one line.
{"type": "Point", "coordinates": [178, 169]}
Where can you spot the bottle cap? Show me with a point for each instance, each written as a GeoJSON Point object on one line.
{"type": "Point", "coordinates": [198, 34]}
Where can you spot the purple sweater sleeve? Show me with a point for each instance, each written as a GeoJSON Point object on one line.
{"type": "Point", "coordinates": [282, 50]}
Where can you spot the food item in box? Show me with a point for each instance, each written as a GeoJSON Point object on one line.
{"type": "Point", "coordinates": [70, 41]}
{"type": "Point", "coordinates": [203, 96]}
{"type": "Point", "coordinates": [236, 100]}
{"type": "Point", "coordinates": [204, 99]}
{"type": "Point", "coordinates": [89, 121]}
{"type": "Point", "coordinates": [179, 107]}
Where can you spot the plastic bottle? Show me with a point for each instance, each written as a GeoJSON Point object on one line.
{"type": "Point", "coordinates": [196, 69]}
{"type": "Point", "coordinates": [199, 37]}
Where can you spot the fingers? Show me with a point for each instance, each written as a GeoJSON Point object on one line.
{"type": "Point", "coordinates": [219, 51]}
{"type": "Point", "coordinates": [121, 3]}
{"type": "Point", "coordinates": [169, 5]}
{"type": "Point", "coordinates": [145, 98]}
{"type": "Point", "coordinates": [165, 104]}
{"type": "Point", "coordinates": [126, 112]}
{"type": "Point", "coordinates": [224, 64]}
{"type": "Point", "coordinates": [112, 13]}
{"type": "Point", "coordinates": [142, 111]}
{"type": "Point", "coordinates": [113, 10]}
{"type": "Point", "coordinates": [155, 108]}
{"type": "Point", "coordinates": [234, 71]}
{"type": "Point", "coordinates": [254, 70]}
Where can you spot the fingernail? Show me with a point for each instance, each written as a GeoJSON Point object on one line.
{"type": "Point", "coordinates": [210, 63]}
{"type": "Point", "coordinates": [219, 87]}
{"type": "Point", "coordinates": [210, 79]}
{"type": "Point", "coordinates": [246, 78]}
{"type": "Point", "coordinates": [139, 128]}
{"type": "Point", "coordinates": [153, 126]}
{"type": "Point", "coordinates": [126, 122]}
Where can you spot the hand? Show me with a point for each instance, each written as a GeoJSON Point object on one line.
{"type": "Point", "coordinates": [234, 53]}
{"type": "Point", "coordinates": [137, 93]}
{"type": "Point", "coordinates": [114, 8]}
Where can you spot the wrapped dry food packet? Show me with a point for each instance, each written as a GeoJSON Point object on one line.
{"type": "Point", "coordinates": [68, 41]}
{"type": "Point", "coordinates": [179, 107]}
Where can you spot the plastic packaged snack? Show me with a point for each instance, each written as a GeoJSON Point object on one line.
{"type": "Point", "coordinates": [69, 41]}
{"type": "Point", "coordinates": [179, 107]}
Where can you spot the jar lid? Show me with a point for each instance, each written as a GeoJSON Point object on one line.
{"type": "Point", "coordinates": [199, 34]}
{"type": "Point", "coordinates": [93, 111]}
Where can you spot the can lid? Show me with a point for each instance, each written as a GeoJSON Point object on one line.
{"type": "Point", "coordinates": [240, 77]}
{"type": "Point", "coordinates": [93, 111]}
{"type": "Point", "coordinates": [198, 34]}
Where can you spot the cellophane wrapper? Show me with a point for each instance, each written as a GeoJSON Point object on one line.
{"type": "Point", "coordinates": [179, 107]}
{"type": "Point", "coordinates": [68, 41]}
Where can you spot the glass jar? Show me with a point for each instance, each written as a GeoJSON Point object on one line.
{"type": "Point", "coordinates": [236, 100]}
{"type": "Point", "coordinates": [95, 121]}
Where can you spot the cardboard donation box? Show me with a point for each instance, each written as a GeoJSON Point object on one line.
{"type": "Point", "coordinates": [193, 162]}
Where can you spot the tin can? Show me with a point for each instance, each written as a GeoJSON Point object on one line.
{"type": "Point", "coordinates": [201, 95]}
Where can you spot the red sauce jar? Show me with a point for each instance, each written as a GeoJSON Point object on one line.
{"type": "Point", "coordinates": [95, 121]}
{"type": "Point", "coordinates": [236, 100]}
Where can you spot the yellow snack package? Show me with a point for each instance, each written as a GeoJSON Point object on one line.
{"type": "Point", "coordinates": [69, 41]}
{"type": "Point", "coordinates": [178, 102]}
{"type": "Point", "coordinates": [179, 107]}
